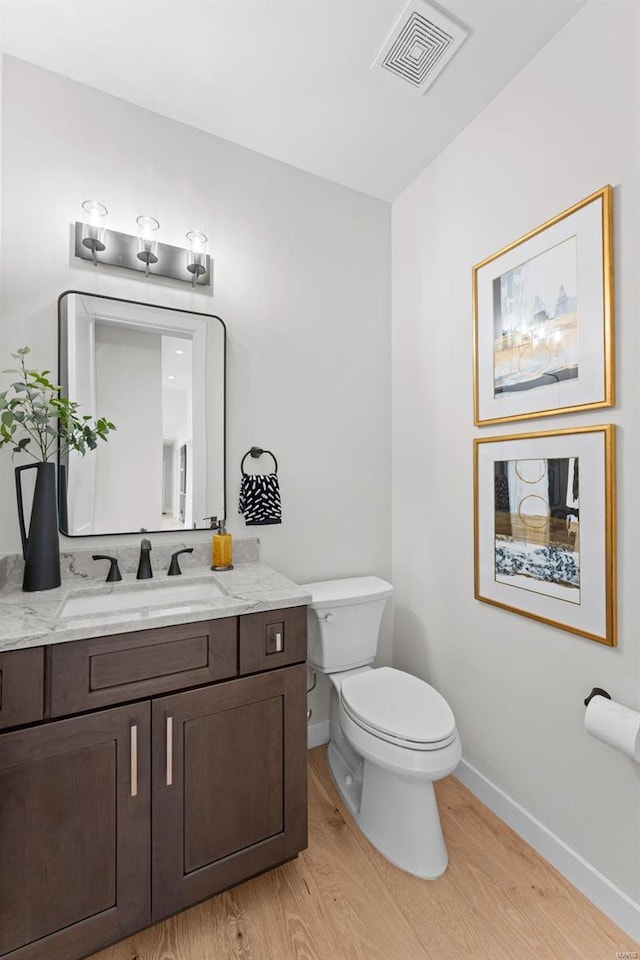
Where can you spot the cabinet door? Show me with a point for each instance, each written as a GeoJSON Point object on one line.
{"type": "Point", "coordinates": [272, 639]}
{"type": "Point", "coordinates": [74, 834]}
{"type": "Point", "coordinates": [229, 785]}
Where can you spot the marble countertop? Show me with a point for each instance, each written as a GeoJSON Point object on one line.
{"type": "Point", "coordinates": [38, 619]}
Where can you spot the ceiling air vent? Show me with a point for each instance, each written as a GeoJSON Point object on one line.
{"type": "Point", "coordinates": [420, 45]}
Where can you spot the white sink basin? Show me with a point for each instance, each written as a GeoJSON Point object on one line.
{"type": "Point", "coordinates": [140, 596]}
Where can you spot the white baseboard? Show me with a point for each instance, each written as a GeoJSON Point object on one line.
{"type": "Point", "coordinates": [605, 895]}
{"type": "Point", "coordinates": [317, 733]}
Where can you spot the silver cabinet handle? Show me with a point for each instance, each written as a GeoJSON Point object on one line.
{"type": "Point", "coordinates": [169, 751]}
{"type": "Point", "coordinates": [134, 760]}
{"type": "Point", "coordinates": [278, 639]}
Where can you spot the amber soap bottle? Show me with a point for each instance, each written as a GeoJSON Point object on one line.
{"type": "Point", "coordinates": [222, 549]}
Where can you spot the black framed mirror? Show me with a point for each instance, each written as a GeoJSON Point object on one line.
{"type": "Point", "coordinates": [159, 374]}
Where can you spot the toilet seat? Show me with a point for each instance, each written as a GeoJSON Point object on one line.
{"type": "Point", "coordinates": [399, 708]}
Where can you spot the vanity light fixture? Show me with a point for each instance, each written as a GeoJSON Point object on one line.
{"type": "Point", "coordinates": [197, 255]}
{"type": "Point", "coordinates": [94, 223]}
{"type": "Point", "coordinates": [144, 252]}
{"type": "Point", "coordinates": [148, 228]}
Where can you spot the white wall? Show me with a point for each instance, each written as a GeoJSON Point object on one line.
{"type": "Point", "coordinates": [176, 432]}
{"type": "Point", "coordinates": [567, 125]}
{"type": "Point", "coordinates": [302, 280]}
{"type": "Point", "coordinates": [129, 467]}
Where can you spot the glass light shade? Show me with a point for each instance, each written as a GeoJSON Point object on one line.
{"type": "Point", "coordinates": [197, 253]}
{"type": "Point", "coordinates": [94, 225]}
{"type": "Point", "coordinates": [148, 229]}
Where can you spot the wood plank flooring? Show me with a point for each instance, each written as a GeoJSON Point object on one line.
{"type": "Point", "coordinates": [341, 900]}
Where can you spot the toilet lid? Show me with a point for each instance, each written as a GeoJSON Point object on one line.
{"type": "Point", "coordinates": [398, 705]}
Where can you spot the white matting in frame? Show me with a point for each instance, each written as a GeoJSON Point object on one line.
{"type": "Point", "coordinates": [545, 536]}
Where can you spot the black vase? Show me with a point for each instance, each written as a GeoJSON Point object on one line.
{"type": "Point", "coordinates": [41, 549]}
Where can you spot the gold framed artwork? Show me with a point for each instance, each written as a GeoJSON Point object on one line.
{"type": "Point", "coordinates": [543, 318]}
{"type": "Point", "coordinates": [545, 527]}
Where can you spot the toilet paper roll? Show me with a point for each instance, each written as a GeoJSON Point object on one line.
{"type": "Point", "coordinates": [614, 724]}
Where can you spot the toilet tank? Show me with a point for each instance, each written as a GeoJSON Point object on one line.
{"type": "Point", "coordinates": [344, 622]}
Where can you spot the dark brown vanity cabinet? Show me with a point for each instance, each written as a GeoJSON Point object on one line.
{"type": "Point", "coordinates": [124, 815]}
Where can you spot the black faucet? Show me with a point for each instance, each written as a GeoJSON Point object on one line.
{"type": "Point", "coordinates": [144, 565]}
{"type": "Point", "coordinates": [174, 566]}
{"type": "Point", "coordinates": [114, 571]}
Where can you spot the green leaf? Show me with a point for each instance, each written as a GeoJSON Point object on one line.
{"type": "Point", "coordinates": [34, 406]}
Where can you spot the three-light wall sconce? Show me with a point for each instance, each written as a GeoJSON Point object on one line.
{"type": "Point", "coordinates": [143, 253]}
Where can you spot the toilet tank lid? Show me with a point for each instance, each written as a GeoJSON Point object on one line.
{"type": "Point", "coordinates": [336, 593]}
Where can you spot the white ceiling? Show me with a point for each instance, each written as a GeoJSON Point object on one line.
{"type": "Point", "coordinates": [288, 78]}
{"type": "Point", "coordinates": [177, 373]}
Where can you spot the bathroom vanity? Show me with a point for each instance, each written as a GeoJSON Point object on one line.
{"type": "Point", "coordinates": [148, 758]}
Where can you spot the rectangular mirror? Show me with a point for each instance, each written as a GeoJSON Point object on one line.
{"type": "Point", "coordinates": [159, 375]}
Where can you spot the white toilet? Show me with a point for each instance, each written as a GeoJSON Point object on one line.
{"type": "Point", "coordinates": [391, 734]}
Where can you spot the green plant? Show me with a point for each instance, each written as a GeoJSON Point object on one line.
{"type": "Point", "coordinates": [33, 412]}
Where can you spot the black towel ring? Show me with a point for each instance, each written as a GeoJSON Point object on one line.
{"type": "Point", "coordinates": [256, 452]}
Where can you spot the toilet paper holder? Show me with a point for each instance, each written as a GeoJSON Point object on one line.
{"type": "Point", "coordinates": [597, 692]}
{"type": "Point", "coordinates": [613, 723]}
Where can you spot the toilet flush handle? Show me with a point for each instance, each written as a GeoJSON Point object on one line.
{"type": "Point", "coordinates": [328, 617]}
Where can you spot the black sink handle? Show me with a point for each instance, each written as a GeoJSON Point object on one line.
{"type": "Point", "coordinates": [114, 571]}
{"type": "Point", "coordinates": [174, 566]}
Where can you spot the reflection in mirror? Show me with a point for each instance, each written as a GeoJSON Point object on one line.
{"type": "Point", "coordinates": [159, 375]}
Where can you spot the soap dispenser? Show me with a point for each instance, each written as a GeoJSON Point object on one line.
{"type": "Point", "coordinates": [222, 549]}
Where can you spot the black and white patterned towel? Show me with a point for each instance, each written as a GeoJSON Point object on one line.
{"type": "Point", "coordinates": [260, 499]}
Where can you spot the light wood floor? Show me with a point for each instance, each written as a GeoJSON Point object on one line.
{"type": "Point", "coordinates": [341, 900]}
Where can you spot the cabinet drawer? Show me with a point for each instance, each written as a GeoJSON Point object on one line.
{"type": "Point", "coordinates": [21, 686]}
{"type": "Point", "coordinates": [105, 670]}
{"type": "Point", "coordinates": [272, 639]}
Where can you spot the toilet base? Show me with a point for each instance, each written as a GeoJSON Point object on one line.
{"type": "Point", "coordinates": [398, 815]}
